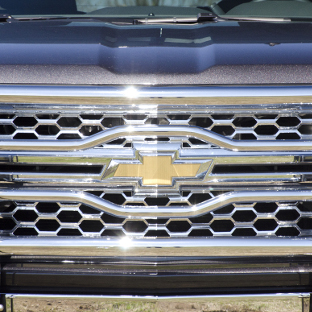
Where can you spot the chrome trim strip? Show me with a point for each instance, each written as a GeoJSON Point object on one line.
{"type": "Point", "coordinates": [156, 131]}
{"type": "Point", "coordinates": [155, 211]}
{"type": "Point", "coordinates": [153, 298]}
{"type": "Point", "coordinates": [161, 247]}
{"type": "Point", "coordinates": [217, 179]}
{"type": "Point", "coordinates": [110, 163]}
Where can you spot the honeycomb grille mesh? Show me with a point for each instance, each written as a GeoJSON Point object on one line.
{"type": "Point", "coordinates": [76, 219]}
{"type": "Point", "coordinates": [238, 126]}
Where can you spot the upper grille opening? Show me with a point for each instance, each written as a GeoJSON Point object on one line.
{"type": "Point", "coordinates": [72, 125]}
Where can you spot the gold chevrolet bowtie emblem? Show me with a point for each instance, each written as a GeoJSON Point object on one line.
{"type": "Point", "coordinates": [157, 170]}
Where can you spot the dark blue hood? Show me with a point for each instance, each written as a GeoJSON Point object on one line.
{"type": "Point", "coordinates": [154, 49]}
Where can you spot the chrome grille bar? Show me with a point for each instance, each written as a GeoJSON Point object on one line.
{"type": "Point", "coordinates": [155, 131]}
{"type": "Point", "coordinates": [157, 211]}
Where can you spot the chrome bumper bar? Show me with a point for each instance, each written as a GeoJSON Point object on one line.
{"type": "Point", "coordinates": [294, 302]}
{"type": "Point", "coordinates": [116, 95]}
{"type": "Point", "coordinates": [203, 247]}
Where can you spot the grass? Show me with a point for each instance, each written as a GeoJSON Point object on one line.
{"type": "Point", "coordinates": [71, 305]}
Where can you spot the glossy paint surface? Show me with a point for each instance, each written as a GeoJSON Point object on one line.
{"type": "Point", "coordinates": [154, 48]}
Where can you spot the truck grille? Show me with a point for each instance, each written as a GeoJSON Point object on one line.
{"type": "Point", "coordinates": [61, 167]}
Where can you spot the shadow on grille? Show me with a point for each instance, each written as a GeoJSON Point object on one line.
{"type": "Point", "coordinates": [68, 168]}
{"type": "Point", "coordinates": [226, 169]}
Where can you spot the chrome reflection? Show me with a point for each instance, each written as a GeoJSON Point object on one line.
{"type": "Point", "coordinates": [78, 94]}
{"type": "Point", "coordinates": [161, 247]}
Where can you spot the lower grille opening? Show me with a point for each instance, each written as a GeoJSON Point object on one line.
{"type": "Point", "coordinates": [278, 219]}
